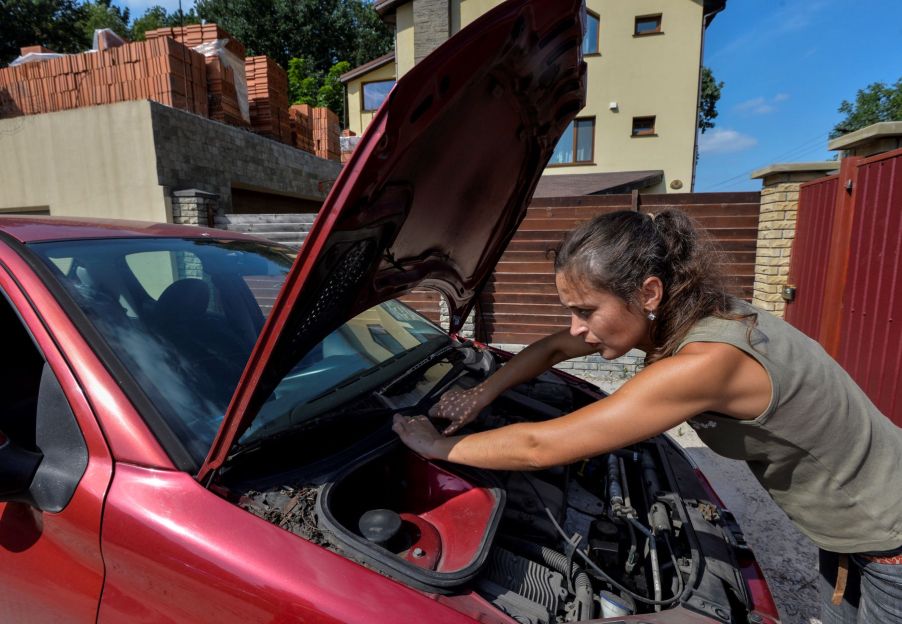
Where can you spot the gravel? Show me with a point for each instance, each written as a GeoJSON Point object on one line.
{"type": "Point", "coordinates": [788, 558]}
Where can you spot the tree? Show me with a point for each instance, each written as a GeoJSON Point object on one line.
{"type": "Point", "coordinates": [873, 104]}
{"type": "Point", "coordinates": [55, 24]}
{"type": "Point", "coordinates": [157, 17]}
{"type": "Point", "coordinates": [102, 14]}
{"type": "Point", "coordinates": [332, 94]}
{"type": "Point", "coordinates": [322, 31]}
{"type": "Point", "coordinates": [303, 81]}
{"type": "Point", "coordinates": [707, 105]}
{"type": "Point", "coordinates": [308, 86]}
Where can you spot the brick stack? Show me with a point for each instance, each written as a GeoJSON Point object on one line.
{"type": "Point", "coordinates": [325, 134]}
{"type": "Point", "coordinates": [193, 35]}
{"type": "Point", "coordinates": [301, 118]}
{"type": "Point", "coordinates": [161, 70]}
{"type": "Point", "coordinates": [222, 82]}
{"type": "Point", "coordinates": [267, 97]}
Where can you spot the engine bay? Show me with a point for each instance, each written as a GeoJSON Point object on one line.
{"type": "Point", "coordinates": [616, 535]}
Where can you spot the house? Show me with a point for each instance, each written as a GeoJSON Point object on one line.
{"type": "Point", "coordinates": [638, 128]}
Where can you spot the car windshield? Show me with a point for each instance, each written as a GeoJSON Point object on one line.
{"type": "Point", "coordinates": [182, 316]}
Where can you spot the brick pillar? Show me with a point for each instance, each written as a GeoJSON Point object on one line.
{"type": "Point", "coordinates": [777, 225]}
{"type": "Point", "coordinates": [194, 207]}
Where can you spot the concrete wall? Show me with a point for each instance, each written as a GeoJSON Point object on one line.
{"type": "Point", "coordinates": [194, 152]}
{"type": "Point", "coordinates": [89, 162]}
{"type": "Point", "coordinates": [647, 75]}
{"type": "Point", "coordinates": [124, 160]}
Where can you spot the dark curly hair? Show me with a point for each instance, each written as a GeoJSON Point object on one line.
{"type": "Point", "coordinates": [618, 251]}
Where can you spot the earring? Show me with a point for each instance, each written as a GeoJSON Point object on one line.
{"type": "Point", "coordinates": [651, 316]}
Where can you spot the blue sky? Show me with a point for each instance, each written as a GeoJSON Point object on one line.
{"type": "Point", "coordinates": [787, 65]}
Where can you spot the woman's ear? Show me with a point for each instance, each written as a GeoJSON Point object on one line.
{"type": "Point", "coordinates": [651, 293]}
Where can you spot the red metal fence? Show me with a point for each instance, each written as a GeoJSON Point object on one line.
{"type": "Point", "coordinates": [848, 279]}
{"type": "Point", "coordinates": [808, 270]}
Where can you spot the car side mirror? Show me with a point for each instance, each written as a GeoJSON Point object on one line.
{"type": "Point", "coordinates": [17, 469]}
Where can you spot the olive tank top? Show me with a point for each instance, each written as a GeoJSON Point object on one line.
{"type": "Point", "coordinates": [821, 449]}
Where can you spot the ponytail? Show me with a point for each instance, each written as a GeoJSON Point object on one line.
{"type": "Point", "coordinates": [618, 251]}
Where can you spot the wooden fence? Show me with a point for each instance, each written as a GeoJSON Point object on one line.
{"type": "Point", "coordinates": [520, 304]}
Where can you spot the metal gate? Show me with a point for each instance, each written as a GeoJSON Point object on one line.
{"type": "Point", "coordinates": [847, 268]}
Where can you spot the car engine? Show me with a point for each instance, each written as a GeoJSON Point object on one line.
{"type": "Point", "coordinates": [611, 536]}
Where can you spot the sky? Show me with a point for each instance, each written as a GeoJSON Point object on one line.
{"type": "Point", "coordinates": [786, 66]}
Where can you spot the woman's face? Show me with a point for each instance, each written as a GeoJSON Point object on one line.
{"type": "Point", "coordinates": [602, 319]}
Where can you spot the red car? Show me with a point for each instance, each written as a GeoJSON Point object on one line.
{"type": "Point", "coordinates": [196, 426]}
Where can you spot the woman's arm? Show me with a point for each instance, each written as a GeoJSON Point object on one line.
{"type": "Point", "coordinates": [461, 407]}
{"type": "Point", "coordinates": [703, 377]}
{"type": "Point", "coordinates": [535, 360]}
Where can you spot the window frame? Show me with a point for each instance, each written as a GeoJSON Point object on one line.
{"type": "Point", "coordinates": [574, 162]}
{"type": "Point", "coordinates": [645, 133]}
{"type": "Point", "coordinates": [597, 52]}
{"type": "Point", "coordinates": [363, 86]}
{"type": "Point", "coordinates": [659, 17]}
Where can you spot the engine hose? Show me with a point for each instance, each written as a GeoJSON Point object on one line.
{"type": "Point", "coordinates": [604, 575]}
{"type": "Point", "coordinates": [653, 553]}
{"type": "Point", "coordinates": [582, 586]}
{"type": "Point", "coordinates": [615, 493]}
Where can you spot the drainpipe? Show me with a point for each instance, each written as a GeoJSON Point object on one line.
{"type": "Point", "coordinates": [698, 99]}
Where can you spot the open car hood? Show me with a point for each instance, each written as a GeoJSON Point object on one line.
{"type": "Point", "coordinates": [434, 191]}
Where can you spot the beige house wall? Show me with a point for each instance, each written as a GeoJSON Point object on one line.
{"type": "Point", "coordinates": [72, 164]}
{"type": "Point", "coordinates": [358, 119]}
{"type": "Point", "coordinates": [465, 11]}
{"type": "Point", "coordinates": [646, 75]}
{"type": "Point", "coordinates": [404, 56]}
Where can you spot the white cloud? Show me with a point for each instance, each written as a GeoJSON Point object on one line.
{"type": "Point", "coordinates": [724, 141]}
{"type": "Point", "coordinates": [761, 105]}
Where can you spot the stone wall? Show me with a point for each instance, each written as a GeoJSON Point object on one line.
{"type": "Point", "coordinates": [195, 152]}
{"type": "Point", "coordinates": [194, 207]}
{"type": "Point", "coordinates": [776, 230]}
{"type": "Point", "coordinates": [431, 26]}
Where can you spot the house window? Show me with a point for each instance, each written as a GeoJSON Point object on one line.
{"type": "Point", "coordinates": [374, 93]}
{"type": "Point", "coordinates": [590, 41]}
{"type": "Point", "coordinates": [648, 25]}
{"type": "Point", "coordinates": [577, 144]}
{"type": "Point", "coordinates": [644, 126]}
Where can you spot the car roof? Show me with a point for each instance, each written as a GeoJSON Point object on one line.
{"type": "Point", "coordinates": [33, 229]}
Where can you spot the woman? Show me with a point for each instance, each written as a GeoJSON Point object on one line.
{"type": "Point", "coordinates": [756, 388]}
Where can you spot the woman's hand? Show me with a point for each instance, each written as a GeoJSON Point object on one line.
{"type": "Point", "coordinates": [418, 434]}
{"type": "Point", "coordinates": [459, 407]}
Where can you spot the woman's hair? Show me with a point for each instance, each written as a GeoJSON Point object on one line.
{"type": "Point", "coordinates": [617, 251]}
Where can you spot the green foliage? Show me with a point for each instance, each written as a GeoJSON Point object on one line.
{"type": "Point", "coordinates": [56, 24]}
{"type": "Point", "coordinates": [157, 17]}
{"type": "Point", "coordinates": [303, 82]}
{"type": "Point", "coordinates": [707, 105]}
{"type": "Point", "coordinates": [878, 102]}
{"type": "Point", "coordinates": [323, 31]}
{"type": "Point", "coordinates": [102, 14]}
{"type": "Point", "coordinates": [332, 94]}
{"type": "Point", "coordinates": [306, 85]}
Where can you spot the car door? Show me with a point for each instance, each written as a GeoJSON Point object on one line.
{"type": "Point", "coordinates": [51, 568]}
